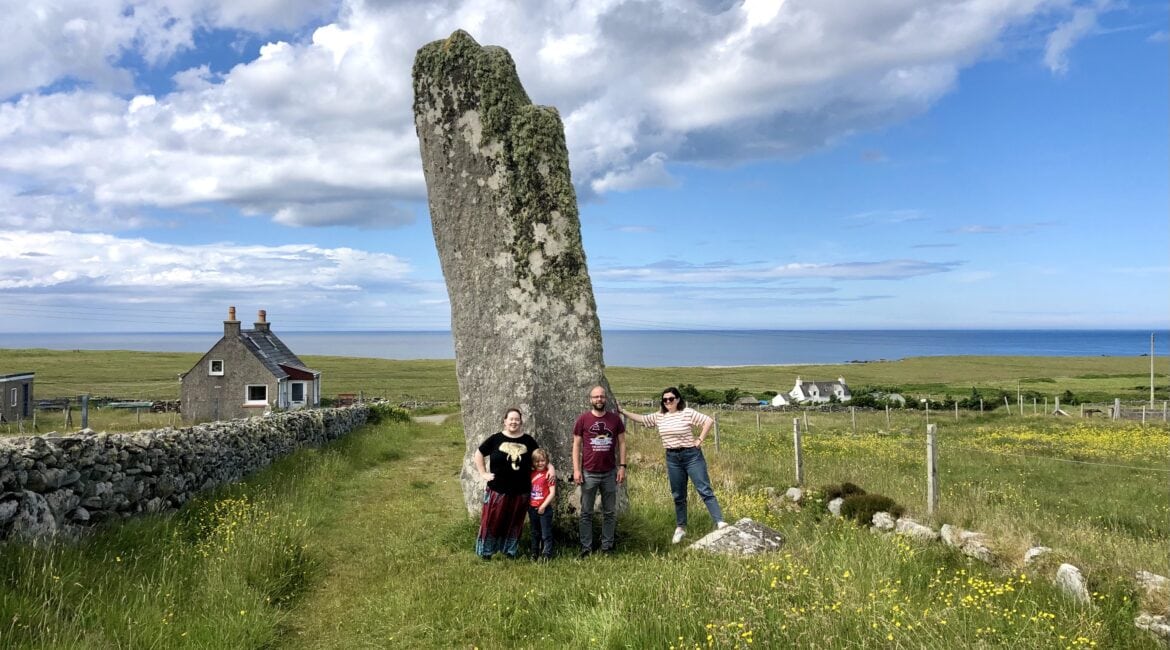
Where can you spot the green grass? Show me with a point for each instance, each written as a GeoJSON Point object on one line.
{"type": "Point", "coordinates": [366, 544]}
{"type": "Point", "coordinates": [154, 375]}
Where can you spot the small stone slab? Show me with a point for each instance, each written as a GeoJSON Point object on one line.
{"type": "Point", "coordinates": [884, 522]}
{"type": "Point", "coordinates": [835, 506]}
{"type": "Point", "coordinates": [1035, 553]}
{"type": "Point", "coordinates": [914, 530]}
{"type": "Point", "coordinates": [969, 543]}
{"type": "Point", "coordinates": [1155, 624]}
{"type": "Point", "coordinates": [744, 537]}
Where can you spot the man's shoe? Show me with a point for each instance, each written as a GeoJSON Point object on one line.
{"type": "Point", "coordinates": [679, 533]}
{"type": "Point", "coordinates": [585, 553]}
{"type": "Point", "coordinates": [721, 525]}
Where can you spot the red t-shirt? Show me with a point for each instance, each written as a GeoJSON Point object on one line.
{"type": "Point", "coordinates": [599, 440]}
{"type": "Point", "coordinates": [540, 488]}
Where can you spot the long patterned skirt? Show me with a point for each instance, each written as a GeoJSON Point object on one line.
{"type": "Point", "coordinates": [501, 523]}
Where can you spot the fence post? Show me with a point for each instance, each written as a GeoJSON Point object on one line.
{"type": "Point", "coordinates": [68, 415]}
{"type": "Point", "coordinates": [806, 420]}
{"type": "Point", "coordinates": [799, 457]}
{"type": "Point", "coordinates": [716, 418]}
{"type": "Point", "coordinates": [888, 426]}
{"type": "Point", "coordinates": [956, 410]}
{"type": "Point", "coordinates": [1163, 413]}
{"type": "Point", "coordinates": [980, 406]}
{"type": "Point", "coordinates": [757, 421]}
{"type": "Point", "coordinates": [84, 411]}
{"type": "Point", "coordinates": [931, 469]}
{"type": "Point", "coordinates": [1143, 413]}
{"type": "Point", "coordinates": [1082, 409]}
{"type": "Point", "coordinates": [1116, 408]}
{"type": "Point", "coordinates": [853, 416]}
{"type": "Point", "coordinates": [1007, 404]}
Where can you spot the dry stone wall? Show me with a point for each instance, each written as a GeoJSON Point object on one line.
{"type": "Point", "coordinates": [56, 484]}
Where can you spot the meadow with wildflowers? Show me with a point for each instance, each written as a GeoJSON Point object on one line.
{"type": "Point", "coordinates": [365, 543]}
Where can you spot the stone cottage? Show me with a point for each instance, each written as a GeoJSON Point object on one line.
{"type": "Point", "coordinates": [16, 397]}
{"type": "Point", "coordinates": [246, 373]}
{"type": "Point", "coordinates": [818, 392]}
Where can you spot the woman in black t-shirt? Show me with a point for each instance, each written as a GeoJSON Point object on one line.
{"type": "Point", "coordinates": [505, 499]}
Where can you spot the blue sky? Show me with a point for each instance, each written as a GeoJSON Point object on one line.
{"type": "Point", "coordinates": [944, 164]}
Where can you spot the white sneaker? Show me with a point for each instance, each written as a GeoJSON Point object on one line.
{"type": "Point", "coordinates": [679, 533]}
{"type": "Point", "coordinates": [721, 525]}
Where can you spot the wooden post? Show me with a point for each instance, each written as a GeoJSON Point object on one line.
{"type": "Point", "coordinates": [1116, 408]}
{"type": "Point", "coordinates": [799, 457]}
{"type": "Point", "coordinates": [806, 420]}
{"type": "Point", "coordinates": [931, 470]}
{"type": "Point", "coordinates": [956, 410]}
{"type": "Point", "coordinates": [888, 416]}
{"type": "Point", "coordinates": [853, 416]}
{"type": "Point", "coordinates": [1033, 406]}
{"type": "Point", "coordinates": [68, 415]}
{"type": "Point", "coordinates": [1082, 409]}
{"type": "Point", "coordinates": [1143, 413]}
{"type": "Point", "coordinates": [1045, 405]}
{"type": "Point", "coordinates": [1007, 404]}
{"type": "Point", "coordinates": [757, 421]}
{"type": "Point", "coordinates": [980, 406]}
{"type": "Point", "coordinates": [1163, 413]}
{"type": "Point", "coordinates": [84, 411]}
{"type": "Point", "coordinates": [138, 414]}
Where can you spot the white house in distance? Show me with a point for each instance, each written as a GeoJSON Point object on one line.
{"type": "Point", "coordinates": [819, 392]}
{"type": "Point", "coordinates": [781, 400]}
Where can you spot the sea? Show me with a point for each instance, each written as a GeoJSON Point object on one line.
{"type": "Point", "coordinates": [663, 348]}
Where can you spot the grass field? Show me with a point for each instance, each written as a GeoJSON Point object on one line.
{"type": "Point", "coordinates": [154, 376]}
{"type": "Point", "coordinates": [365, 544]}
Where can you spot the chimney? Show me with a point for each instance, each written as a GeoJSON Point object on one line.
{"type": "Point", "coordinates": [261, 321]}
{"type": "Point", "coordinates": [231, 326]}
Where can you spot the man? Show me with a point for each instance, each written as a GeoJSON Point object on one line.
{"type": "Point", "coordinates": [599, 445]}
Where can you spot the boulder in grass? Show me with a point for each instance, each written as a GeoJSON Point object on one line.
{"type": "Point", "coordinates": [884, 522]}
{"type": "Point", "coordinates": [744, 537]}
{"type": "Point", "coordinates": [1035, 553]}
{"type": "Point", "coordinates": [795, 495]}
{"type": "Point", "coordinates": [1070, 580]}
{"type": "Point", "coordinates": [914, 530]}
{"type": "Point", "coordinates": [1155, 624]}
{"type": "Point", "coordinates": [835, 506]}
{"type": "Point", "coordinates": [969, 543]}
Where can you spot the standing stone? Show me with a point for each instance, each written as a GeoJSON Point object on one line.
{"type": "Point", "coordinates": [504, 215]}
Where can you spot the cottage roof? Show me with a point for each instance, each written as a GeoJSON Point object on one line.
{"type": "Point", "coordinates": [272, 352]}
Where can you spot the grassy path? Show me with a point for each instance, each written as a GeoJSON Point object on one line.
{"type": "Point", "coordinates": [381, 548]}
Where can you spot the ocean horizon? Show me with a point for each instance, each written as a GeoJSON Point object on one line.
{"type": "Point", "coordinates": [659, 348]}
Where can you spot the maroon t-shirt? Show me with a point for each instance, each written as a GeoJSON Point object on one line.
{"type": "Point", "coordinates": [599, 442]}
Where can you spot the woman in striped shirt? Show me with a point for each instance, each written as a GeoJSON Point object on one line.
{"type": "Point", "coordinates": [684, 455]}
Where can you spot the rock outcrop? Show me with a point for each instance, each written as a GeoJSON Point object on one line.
{"type": "Point", "coordinates": [504, 214]}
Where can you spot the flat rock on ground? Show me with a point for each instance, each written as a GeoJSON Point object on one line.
{"type": "Point", "coordinates": [744, 537]}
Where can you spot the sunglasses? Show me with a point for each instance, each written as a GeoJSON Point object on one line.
{"type": "Point", "coordinates": [668, 400]}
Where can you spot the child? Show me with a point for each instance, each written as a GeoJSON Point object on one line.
{"type": "Point", "coordinates": [540, 510]}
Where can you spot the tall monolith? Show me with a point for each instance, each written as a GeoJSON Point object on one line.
{"type": "Point", "coordinates": [504, 215]}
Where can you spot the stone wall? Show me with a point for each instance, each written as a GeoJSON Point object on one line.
{"type": "Point", "coordinates": [55, 484]}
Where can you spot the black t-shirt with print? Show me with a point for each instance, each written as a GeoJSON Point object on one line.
{"type": "Point", "coordinates": [510, 459]}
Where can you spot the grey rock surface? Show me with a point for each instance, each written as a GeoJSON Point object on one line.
{"type": "Point", "coordinates": [1072, 583]}
{"type": "Point", "coordinates": [744, 537]}
{"type": "Point", "coordinates": [1035, 553]}
{"type": "Point", "coordinates": [884, 522]}
{"type": "Point", "coordinates": [835, 506]}
{"type": "Point", "coordinates": [914, 530]}
{"type": "Point", "coordinates": [504, 215]}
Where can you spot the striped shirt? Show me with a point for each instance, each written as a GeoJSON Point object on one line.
{"type": "Point", "coordinates": [675, 428]}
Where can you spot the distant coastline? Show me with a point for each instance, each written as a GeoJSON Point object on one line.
{"type": "Point", "coordinates": [661, 348]}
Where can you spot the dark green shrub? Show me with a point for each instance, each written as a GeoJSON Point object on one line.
{"type": "Point", "coordinates": [845, 489]}
{"type": "Point", "coordinates": [862, 507]}
{"type": "Point", "coordinates": [386, 412]}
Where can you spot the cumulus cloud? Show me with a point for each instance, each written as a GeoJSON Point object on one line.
{"type": "Point", "coordinates": [318, 130]}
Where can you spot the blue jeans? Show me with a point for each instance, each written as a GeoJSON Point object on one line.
{"type": "Point", "coordinates": [685, 463]}
{"type": "Point", "coordinates": [542, 531]}
{"type": "Point", "coordinates": [607, 483]}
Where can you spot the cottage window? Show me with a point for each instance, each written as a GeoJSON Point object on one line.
{"type": "Point", "coordinates": [298, 392]}
{"type": "Point", "coordinates": [215, 367]}
{"type": "Point", "coordinates": [257, 394]}
{"type": "Point", "coordinates": [14, 397]}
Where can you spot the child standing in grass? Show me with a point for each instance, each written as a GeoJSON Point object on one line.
{"type": "Point", "coordinates": [540, 510]}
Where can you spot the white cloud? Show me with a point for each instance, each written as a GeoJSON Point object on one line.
{"type": "Point", "coordinates": [320, 132]}
{"type": "Point", "coordinates": [1062, 39]}
{"type": "Point", "coordinates": [105, 264]}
